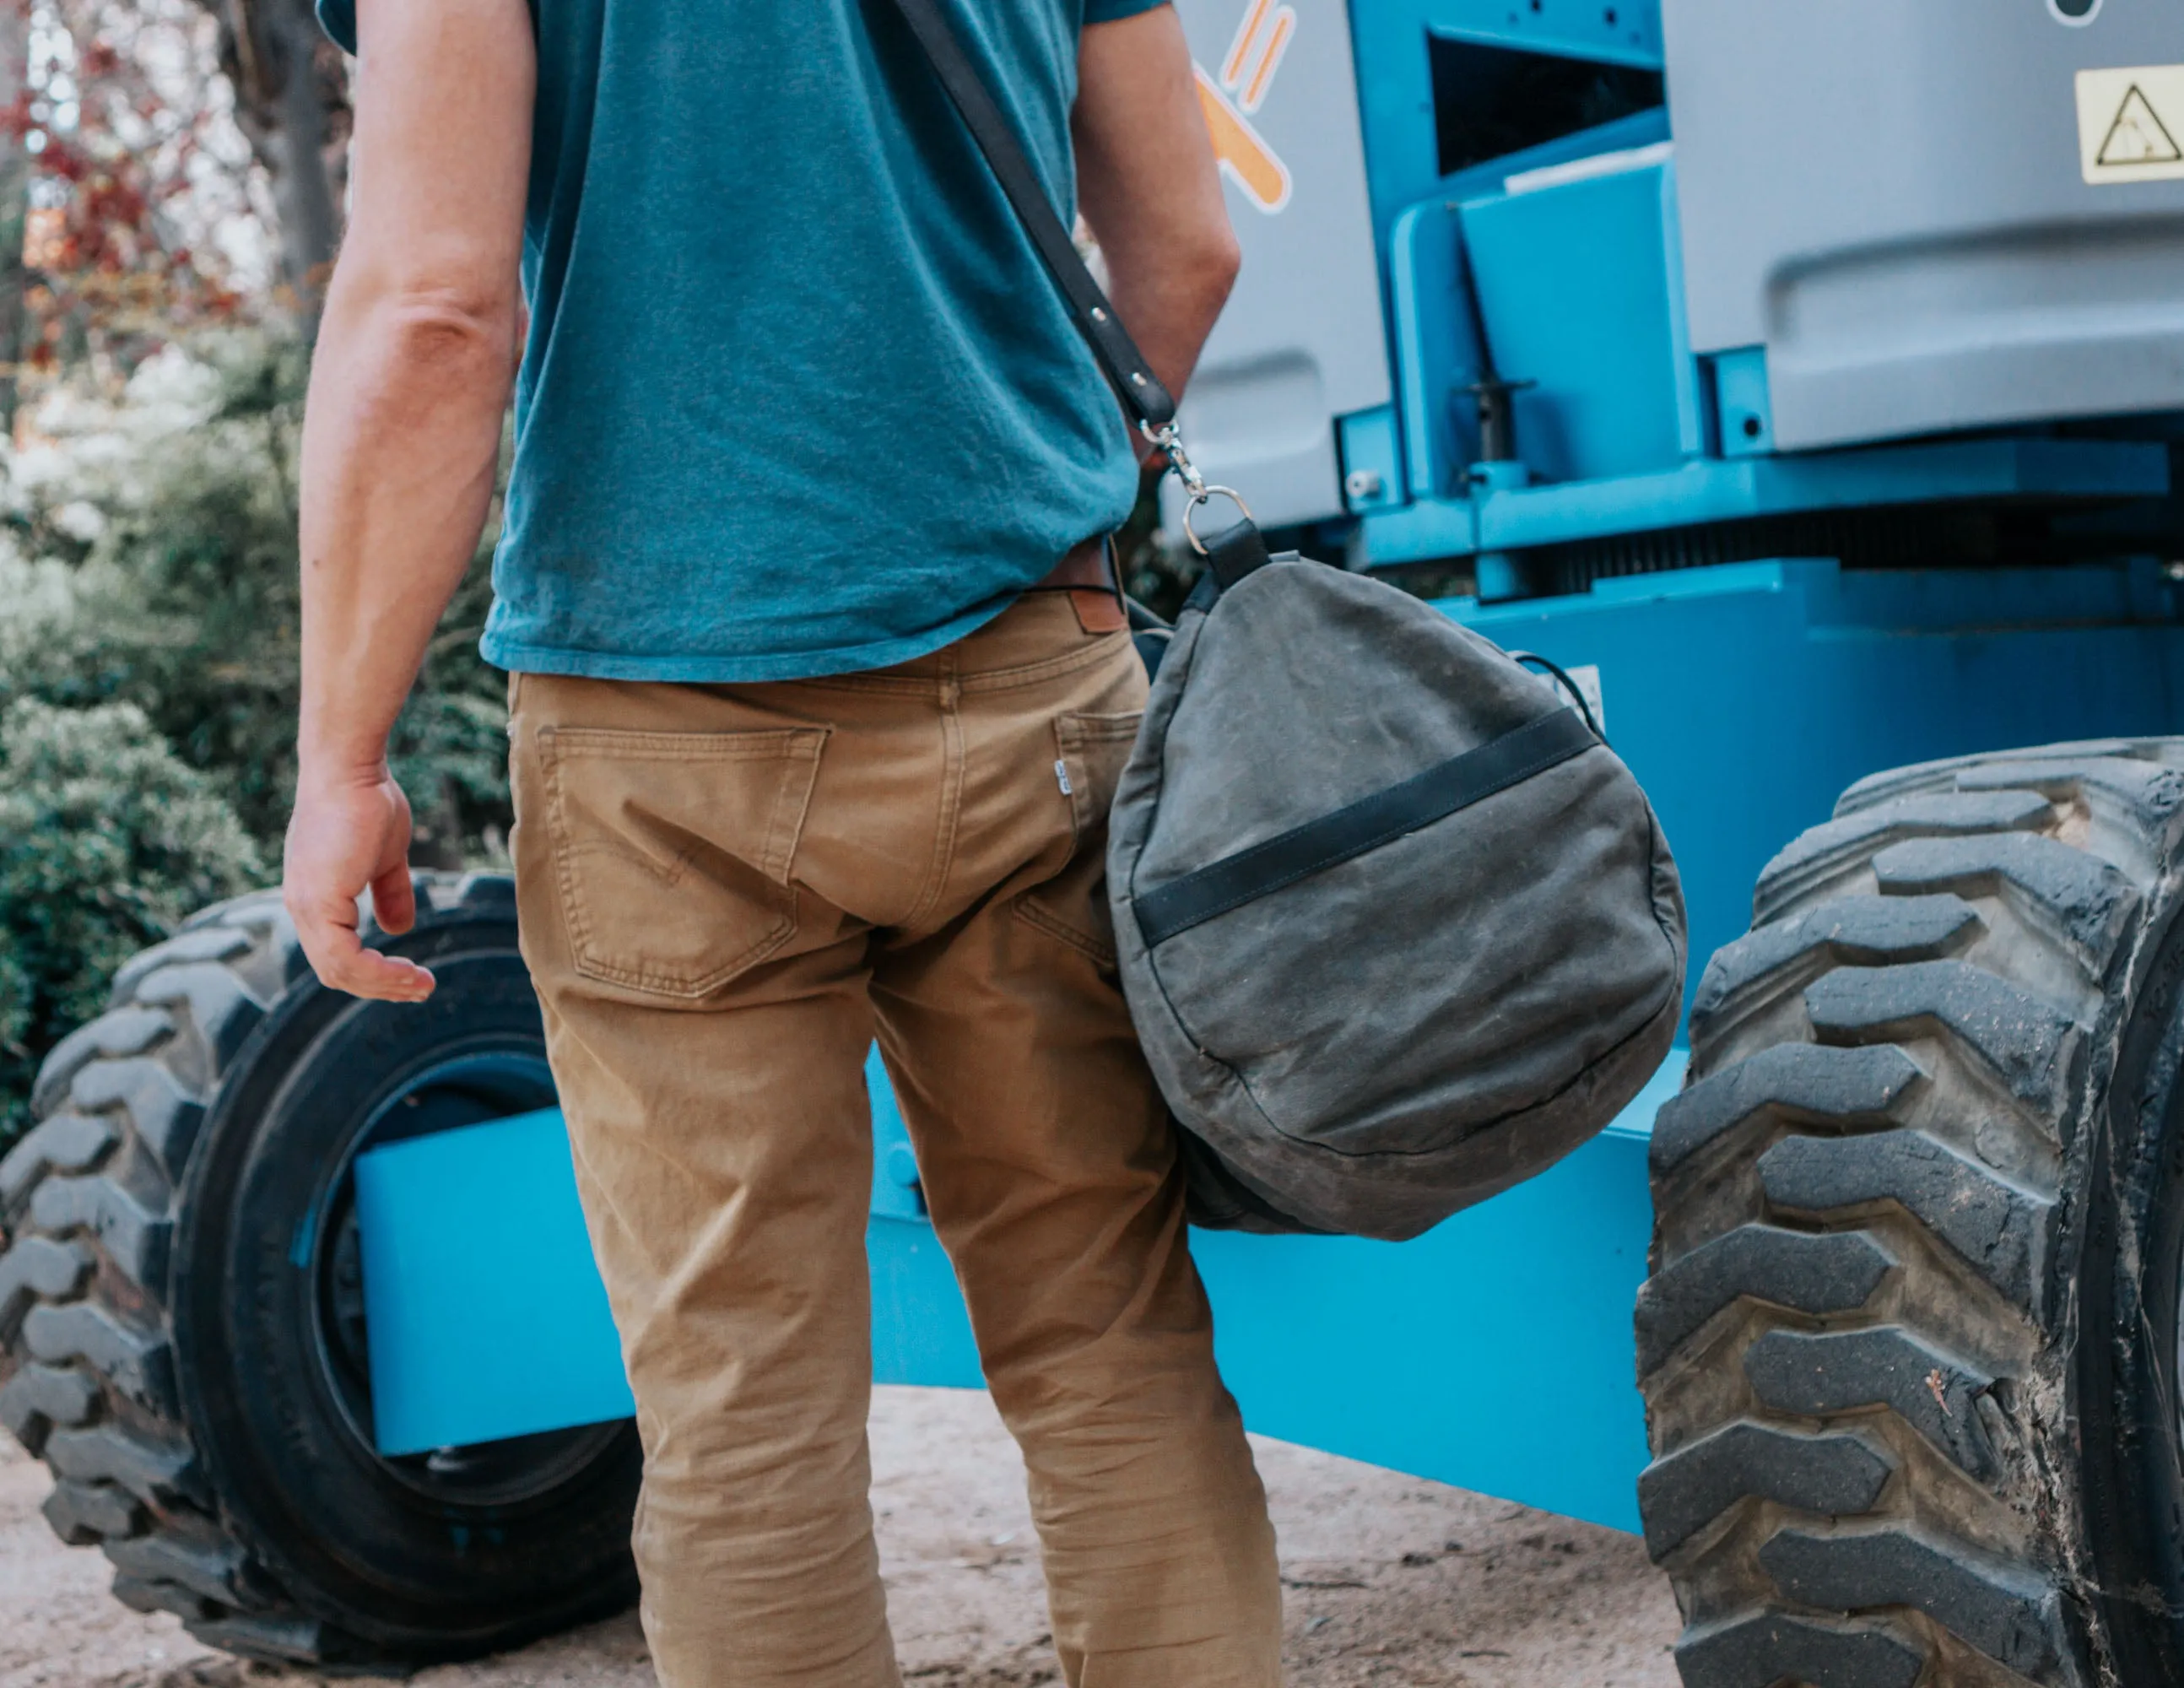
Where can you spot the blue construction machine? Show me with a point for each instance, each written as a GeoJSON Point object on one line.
{"type": "Point", "coordinates": [1805, 380]}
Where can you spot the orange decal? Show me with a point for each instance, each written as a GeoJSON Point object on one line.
{"type": "Point", "coordinates": [1246, 158]}
{"type": "Point", "coordinates": [1232, 67]}
{"type": "Point", "coordinates": [1284, 24]}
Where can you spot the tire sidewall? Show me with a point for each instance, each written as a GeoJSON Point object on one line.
{"type": "Point", "coordinates": [2124, 1272]}
{"type": "Point", "coordinates": [404, 1570]}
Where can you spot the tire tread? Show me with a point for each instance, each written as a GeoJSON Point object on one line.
{"type": "Point", "coordinates": [86, 1202]}
{"type": "Point", "coordinates": [1878, 1130]}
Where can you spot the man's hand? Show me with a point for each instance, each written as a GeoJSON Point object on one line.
{"type": "Point", "coordinates": [346, 837]}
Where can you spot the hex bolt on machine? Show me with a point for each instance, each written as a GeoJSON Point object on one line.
{"type": "Point", "coordinates": [1807, 381]}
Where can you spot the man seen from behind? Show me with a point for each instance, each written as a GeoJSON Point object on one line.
{"type": "Point", "coordinates": [818, 694]}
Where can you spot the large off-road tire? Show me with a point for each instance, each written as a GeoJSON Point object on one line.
{"type": "Point", "coordinates": [181, 1321]}
{"type": "Point", "coordinates": [1910, 1351]}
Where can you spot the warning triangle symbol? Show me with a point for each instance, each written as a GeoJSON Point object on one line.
{"type": "Point", "coordinates": [2137, 136]}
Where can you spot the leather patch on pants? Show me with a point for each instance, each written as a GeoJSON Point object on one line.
{"type": "Point", "coordinates": [1099, 612]}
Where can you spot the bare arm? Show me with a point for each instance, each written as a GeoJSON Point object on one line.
{"type": "Point", "coordinates": [401, 432]}
{"type": "Point", "coordinates": [1149, 187]}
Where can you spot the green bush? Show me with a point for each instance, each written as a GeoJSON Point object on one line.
{"type": "Point", "coordinates": [148, 679]}
{"type": "Point", "coordinates": [107, 840]}
{"type": "Point", "coordinates": [178, 514]}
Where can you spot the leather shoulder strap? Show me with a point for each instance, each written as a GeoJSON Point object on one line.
{"type": "Point", "coordinates": [1148, 402]}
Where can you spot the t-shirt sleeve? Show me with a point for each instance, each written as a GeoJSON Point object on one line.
{"type": "Point", "coordinates": [1095, 11]}
{"type": "Point", "coordinates": [337, 18]}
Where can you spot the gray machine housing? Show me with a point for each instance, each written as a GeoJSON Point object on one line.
{"type": "Point", "coordinates": [1893, 200]}
{"type": "Point", "coordinates": [1888, 216]}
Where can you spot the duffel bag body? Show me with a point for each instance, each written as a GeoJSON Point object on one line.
{"type": "Point", "coordinates": [1397, 928]}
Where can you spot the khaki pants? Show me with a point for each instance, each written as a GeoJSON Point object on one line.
{"type": "Point", "coordinates": [726, 893]}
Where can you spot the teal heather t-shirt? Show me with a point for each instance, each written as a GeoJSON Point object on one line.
{"type": "Point", "coordinates": [798, 399]}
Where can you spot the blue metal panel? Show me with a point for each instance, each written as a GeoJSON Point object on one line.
{"type": "Point", "coordinates": [1696, 436]}
{"type": "Point", "coordinates": [921, 1333]}
{"type": "Point", "coordinates": [1372, 459]}
{"type": "Point", "coordinates": [487, 1319]}
{"type": "Point", "coordinates": [895, 1192]}
{"type": "Point", "coordinates": [1579, 307]}
{"type": "Point", "coordinates": [1436, 350]}
{"type": "Point", "coordinates": [1572, 285]}
{"type": "Point", "coordinates": [1713, 489]}
{"type": "Point", "coordinates": [1395, 108]}
{"type": "Point", "coordinates": [1618, 34]}
{"type": "Point", "coordinates": [1741, 401]}
{"type": "Point", "coordinates": [1495, 1352]}
{"type": "Point", "coordinates": [1395, 82]}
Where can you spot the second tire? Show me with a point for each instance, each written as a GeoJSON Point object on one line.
{"type": "Point", "coordinates": [1910, 1349]}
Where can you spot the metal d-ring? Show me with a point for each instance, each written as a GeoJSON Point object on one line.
{"type": "Point", "coordinates": [1202, 496]}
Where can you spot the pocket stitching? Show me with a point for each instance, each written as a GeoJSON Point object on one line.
{"type": "Point", "coordinates": [1054, 926]}
{"type": "Point", "coordinates": [1086, 725]}
{"type": "Point", "coordinates": [802, 745]}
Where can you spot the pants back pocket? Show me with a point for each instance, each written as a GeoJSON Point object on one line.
{"type": "Point", "coordinates": [673, 851]}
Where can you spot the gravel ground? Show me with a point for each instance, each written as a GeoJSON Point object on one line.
{"type": "Point", "coordinates": [1390, 1580]}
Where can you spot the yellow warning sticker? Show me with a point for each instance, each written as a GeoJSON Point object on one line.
{"type": "Point", "coordinates": [2130, 124]}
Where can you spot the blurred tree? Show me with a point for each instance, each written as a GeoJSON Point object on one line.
{"type": "Point", "coordinates": [14, 193]}
{"type": "Point", "coordinates": [184, 162]}
{"type": "Point", "coordinates": [291, 100]}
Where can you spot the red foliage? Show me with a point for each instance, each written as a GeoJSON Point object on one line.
{"type": "Point", "coordinates": [111, 241]}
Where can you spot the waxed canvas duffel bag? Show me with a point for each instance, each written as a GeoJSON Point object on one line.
{"type": "Point", "coordinates": [1397, 928]}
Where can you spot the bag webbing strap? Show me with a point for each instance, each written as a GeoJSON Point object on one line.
{"type": "Point", "coordinates": [1148, 402]}
{"type": "Point", "coordinates": [1364, 825]}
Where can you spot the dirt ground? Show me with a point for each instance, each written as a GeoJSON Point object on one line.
{"type": "Point", "coordinates": [1388, 1580]}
